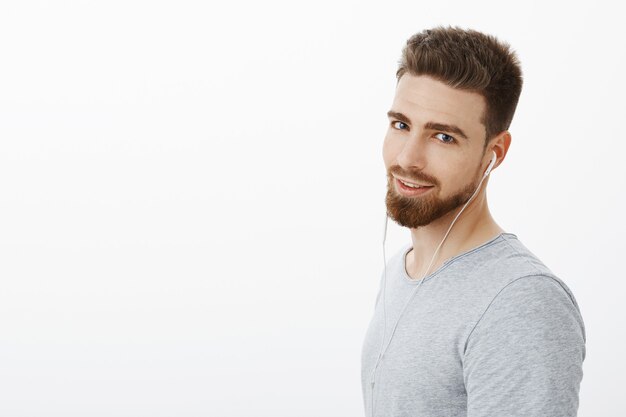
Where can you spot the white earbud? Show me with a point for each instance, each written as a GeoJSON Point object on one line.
{"type": "Point", "coordinates": [491, 164]}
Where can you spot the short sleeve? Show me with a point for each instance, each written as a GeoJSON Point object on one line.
{"type": "Point", "coordinates": [524, 356]}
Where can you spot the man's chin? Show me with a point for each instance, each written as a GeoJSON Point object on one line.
{"type": "Point", "coordinates": [410, 222]}
{"type": "Point", "coordinates": [410, 217]}
{"type": "Point", "coordinates": [407, 214]}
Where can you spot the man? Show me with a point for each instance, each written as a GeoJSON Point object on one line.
{"type": "Point", "coordinates": [468, 321]}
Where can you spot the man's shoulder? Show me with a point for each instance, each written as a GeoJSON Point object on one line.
{"type": "Point", "coordinates": [508, 280]}
{"type": "Point", "coordinates": [486, 272]}
{"type": "Point", "coordinates": [502, 261]}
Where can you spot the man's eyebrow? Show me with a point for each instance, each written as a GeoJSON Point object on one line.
{"type": "Point", "coordinates": [446, 128]}
{"type": "Point", "coordinates": [395, 115]}
{"type": "Point", "coordinates": [430, 125]}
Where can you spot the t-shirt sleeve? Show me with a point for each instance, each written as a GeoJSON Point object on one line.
{"type": "Point", "coordinates": [524, 356]}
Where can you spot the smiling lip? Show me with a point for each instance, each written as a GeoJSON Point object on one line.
{"type": "Point", "coordinates": [413, 183]}
{"type": "Point", "coordinates": [408, 191]}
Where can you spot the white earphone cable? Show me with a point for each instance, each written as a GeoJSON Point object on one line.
{"type": "Point", "coordinates": [382, 351]}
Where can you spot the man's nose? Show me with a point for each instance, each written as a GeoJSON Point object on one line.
{"type": "Point", "coordinates": [413, 154]}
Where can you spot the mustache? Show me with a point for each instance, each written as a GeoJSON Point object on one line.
{"type": "Point", "coordinates": [416, 176]}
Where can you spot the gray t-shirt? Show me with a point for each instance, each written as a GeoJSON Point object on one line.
{"type": "Point", "coordinates": [491, 333]}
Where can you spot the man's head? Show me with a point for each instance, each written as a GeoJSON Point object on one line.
{"type": "Point", "coordinates": [455, 98]}
{"type": "Point", "coordinates": [471, 61]}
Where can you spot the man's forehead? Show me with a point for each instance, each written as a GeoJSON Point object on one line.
{"type": "Point", "coordinates": [422, 97]}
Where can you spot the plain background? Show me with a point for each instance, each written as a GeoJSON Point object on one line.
{"type": "Point", "coordinates": [192, 195]}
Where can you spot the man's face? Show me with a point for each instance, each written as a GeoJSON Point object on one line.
{"type": "Point", "coordinates": [436, 139]}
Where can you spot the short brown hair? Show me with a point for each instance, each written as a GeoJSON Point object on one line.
{"type": "Point", "coordinates": [468, 60]}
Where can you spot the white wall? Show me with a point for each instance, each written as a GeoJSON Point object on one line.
{"type": "Point", "coordinates": [192, 196]}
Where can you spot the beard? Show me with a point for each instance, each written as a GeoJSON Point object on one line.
{"type": "Point", "coordinates": [413, 212]}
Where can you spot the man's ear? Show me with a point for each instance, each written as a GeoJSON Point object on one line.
{"type": "Point", "coordinates": [500, 145]}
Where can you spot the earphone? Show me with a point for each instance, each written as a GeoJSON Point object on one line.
{"type": "Point", "coordinates": [382, 351]}
{"type": "Point", "coordinates": [491, 163]}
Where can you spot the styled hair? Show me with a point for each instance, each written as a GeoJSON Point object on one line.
{"type": "Point", "coordinates": [468, 60]}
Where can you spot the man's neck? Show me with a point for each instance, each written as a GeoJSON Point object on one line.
{"type": "Point", "coordinates": [474, 227]}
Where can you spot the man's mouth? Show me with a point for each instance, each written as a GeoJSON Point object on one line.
{"type": "Point", "coordinates": [413, 184]}
{"type": "Point", "coordinates": [411, 189]}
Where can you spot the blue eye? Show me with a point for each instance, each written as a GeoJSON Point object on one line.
{"type": "Point", "coordinates": [445, 138]}
{"type": "Point", "coordinates": [399, 125]}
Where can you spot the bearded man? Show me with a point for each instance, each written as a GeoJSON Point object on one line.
{"type": "Point", "coordinates": [467, 321]}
